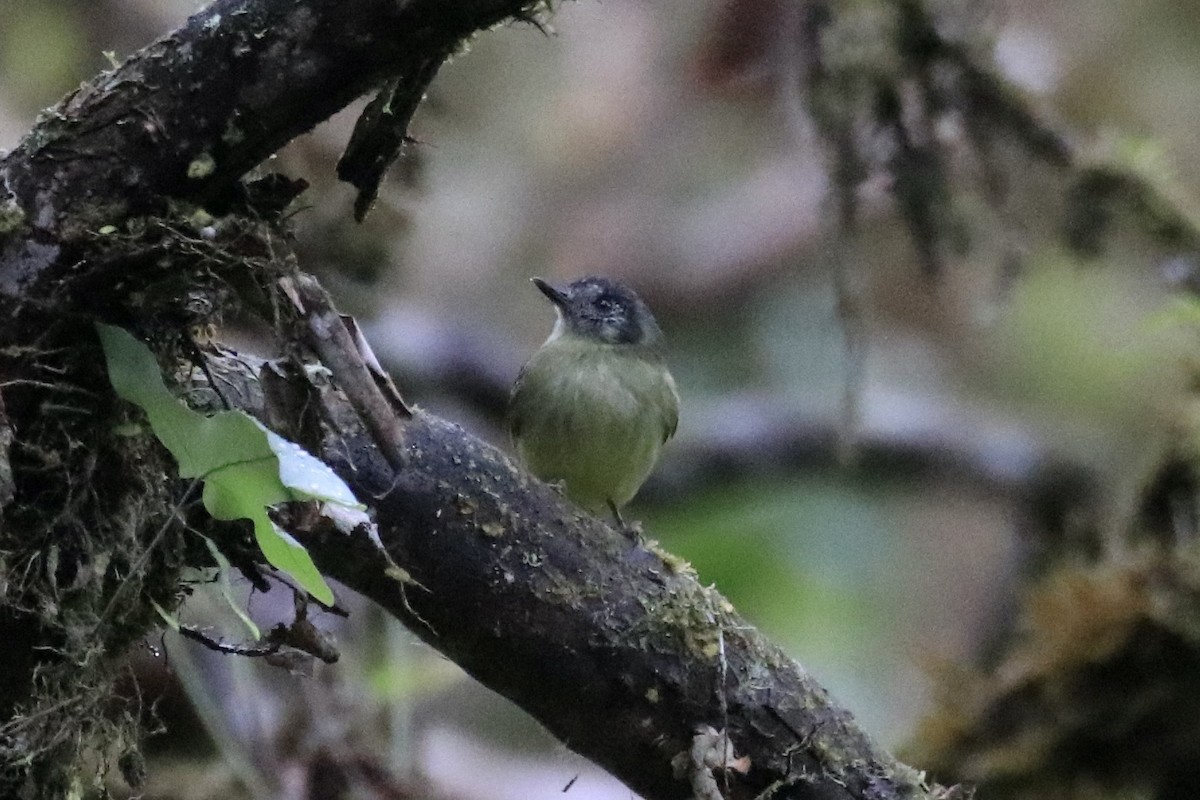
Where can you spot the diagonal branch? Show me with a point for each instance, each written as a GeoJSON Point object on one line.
{"type": "Point", "coordinates": [614, 646]}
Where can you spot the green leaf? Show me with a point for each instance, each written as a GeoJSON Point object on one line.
{"type": "Point", "coordinates": [246, 468]}
{"type": "Point", "coordinates": [223, 570]}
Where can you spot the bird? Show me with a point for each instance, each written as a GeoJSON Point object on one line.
{"type": "Point", "coordinates": [594, 405]}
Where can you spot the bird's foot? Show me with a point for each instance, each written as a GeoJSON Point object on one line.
{"type": "Point", "coordinates": [632, 530]}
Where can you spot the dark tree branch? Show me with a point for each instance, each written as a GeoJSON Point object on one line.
{"type": "Point", "coordinates": [615, 647]}
{"type": "Point", "coordinates": [330, 338]}
{"type": "Point", "coordinates": [188, 116]}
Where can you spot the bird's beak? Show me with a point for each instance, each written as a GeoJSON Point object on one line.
{"type": "Point", "coordinates": [556, 295]}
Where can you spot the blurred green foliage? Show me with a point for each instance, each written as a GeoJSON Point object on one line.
{"type": "Point", "coordinates": [821, 565]}
{"type": "Point", "coordinates": [802, 557]}
{"type": "Point", "coordinates": [43, 51]}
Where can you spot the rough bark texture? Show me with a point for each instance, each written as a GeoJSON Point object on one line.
{"type": "Point", "coordinates": [187, 117]}
{"type": "Point", "coordinates": [615, 647]}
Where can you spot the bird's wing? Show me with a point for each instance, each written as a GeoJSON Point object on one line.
{"type": "Point", "coordinates": [670, 407]}
{"type": "Point", "coordinates": [514, 418]}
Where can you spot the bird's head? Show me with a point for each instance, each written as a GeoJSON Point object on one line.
{"type": "Point", "coordinates": [603, 310]}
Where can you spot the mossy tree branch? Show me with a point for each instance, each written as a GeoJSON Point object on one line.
{"type": "Point", "coordinates": [615, 647]}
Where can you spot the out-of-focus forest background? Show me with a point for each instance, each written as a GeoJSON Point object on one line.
{"type": "Point", "coordinates": [863, 446]}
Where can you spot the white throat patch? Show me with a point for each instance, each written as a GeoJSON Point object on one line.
{"type": "Point", "coordinates": [560, 326]}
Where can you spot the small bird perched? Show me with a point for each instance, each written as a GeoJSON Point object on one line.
{"type": "Point", "coordinates": [594, 405]}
